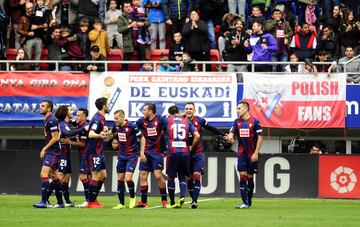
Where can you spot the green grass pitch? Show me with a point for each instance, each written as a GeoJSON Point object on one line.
{"type": "Point", "coordinates": [17, 210]}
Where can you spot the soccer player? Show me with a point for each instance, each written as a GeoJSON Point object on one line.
{"type": "Point", "coordinates": [151, 160]}
{"type": "Point", "coordinates": [98, 132]}
{"type": "Point", "coordinates": [81, 142]}
{"type": "Point", "coordinates": [64, 115]}
{"type": "Point", "coordinates": [128, 154]}
{"type": "Point", "coordinates": [50, 154]}
{"type": "Point", "coordinates": [197, 155]}
{"type": "Point", "coordinates": [248, 131]}
{"type": "Point", "coordinates": [177, 130]}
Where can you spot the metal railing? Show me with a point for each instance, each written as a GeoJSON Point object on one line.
{"type": "Point", "coordinates": [155, 64]}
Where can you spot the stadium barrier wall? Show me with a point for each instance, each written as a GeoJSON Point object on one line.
{"type": "Point", "coordinates": [280, 175]}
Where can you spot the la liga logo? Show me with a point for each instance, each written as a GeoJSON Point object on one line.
{"type": "Point", "coordinates": [343, 179]}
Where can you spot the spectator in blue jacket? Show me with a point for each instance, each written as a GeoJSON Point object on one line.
{"type": "Point", "coordinates": [157, 22]}
{"type": "Point", "coordinates": [177, 13]}
{"type": "Point", "coordinates": [262, 45]}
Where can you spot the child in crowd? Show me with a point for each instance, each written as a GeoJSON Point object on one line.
{"type": "Point", "coordinates": [166, 67]}
{"type": "Point", "coordinates": [70, 50]}
{"type": "Point", "coordinates": [186, 65]}
{"type": "Point", "coordinates": [138, 14]}
{"type": "Point", "coordinates": [176, 48]}
{"type": "Point", "coordinates": [111, 19]}
{"type": "Point", "coordinates": [83, 38]}
{"type": "Point", "coordinates": [147, 67]}
{"type": "Point", "coordinates": [98, 36]}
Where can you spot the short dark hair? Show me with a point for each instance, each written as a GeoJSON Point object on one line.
{"type": "Point", "coordinates": [49, 103]}
{"type": "Point", "coordinates": [96, 21]}
{"type": "Point", "coordinates": [61, 112]}
{"type": "Point", "coordinates": [173, 110]}
{"type": "Point", "coordinates": [100, 103]}
{"type": "Point", "coordinates": [190, 103]}
{"type": "Point", "coordinates": [126, 2]}
{"type": "Point", "coordinates": [151, 107]}
{"type": "Point", "coordinates": [119, 111]}
{"type": "Point", "coordinates": [85, 111]}
{"type": "Point", "coordinates": [95, 48]}
{"type": "Point", "coordinates": [275, 10]}
{"type": "Point", "coordinates": [246, 104]}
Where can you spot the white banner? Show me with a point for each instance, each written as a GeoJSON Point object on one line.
{"type": "Point", "coordinates": [214, 95]}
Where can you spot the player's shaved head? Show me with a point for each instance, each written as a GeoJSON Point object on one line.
{"type": "Point", "coordinates": [61, 112]}
{"type": "Point", "coordinates": [121, 112]}
{"type": "Point", "coordinates": [151, 106]}
{"type": "Point", "coordinates": [84, 111]}
{"type": "Point", "coordinates": [246, 104]}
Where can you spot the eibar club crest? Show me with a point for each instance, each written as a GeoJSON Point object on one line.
{"type": "Point", "coordinates": [268, 102]}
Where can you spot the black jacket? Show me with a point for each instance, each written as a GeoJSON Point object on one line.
{"type": "Point", "coordinates": [196, 40]}
{"type": "Point", "coordinates": [237, 53]}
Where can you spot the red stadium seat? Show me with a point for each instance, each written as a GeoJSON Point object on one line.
{"type": "Point", "coordinates": [11, 55]}
{"type": "Point", "coordinates": [116, 55]}
{"type": "Point", "coordinates": [214, 56]}
{"type": "Point", "coordinates": [156, 54]}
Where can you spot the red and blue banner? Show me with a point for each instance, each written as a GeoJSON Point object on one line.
{"type": "Point", "coordinates": [22, 93]}
{"type": "Point", "coordinates": [301, 101]}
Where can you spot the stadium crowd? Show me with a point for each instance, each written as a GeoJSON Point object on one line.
{"type": "Point", "coordinates": [239, 30]}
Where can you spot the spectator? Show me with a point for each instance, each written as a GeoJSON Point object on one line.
{"type": "Point", "coordinates": [328, 41]}
{"type": "Point", "coordinates": [282, 32]}
{"type": "Point", "coordinates": [352, 67]}
{"type": "Point", "coordinates": [67, 12]}
{"type": "Point", "coordinates": [207, 10]}
{"type": "Point", "coordinates": [349, 34]}
{"type": "Point", "coordinates": [176, 13]}
{"type": "Point", "coordinates": [186, 65]}
{"type": "Point", "coordinates": [16, 10]}
{"type": "Point", "coordinates": [88, 10]}
{"type": "Point", "coordinates": [234, 47]}
{"type": "Point", "coordinates": [304, 42]}
{"type": "Point", "coordinates": [67, 41]}
{"type": "Point", "coordinates": [333, 19]}
{"type": "Point", "coordinates": [197, 42]}
{"type": "Point", "coordinates": [228, 25]}
{"type": "Point", "coordinates": [166, 67]}
{"type": "Point", "coordinates": [54, 51]}
{"type": "Point", "coordinates": [315, 149]}
{"type": "Point", "coordinates": [296, 68]}
{"type": "Point", "coordinates": [176, 48]}
{"type": "Point", "coordinates": [138, 14]}
{"type": "Point", "coordinates": [157, 22]}
{"type": "Point", "coordinates": [95, 55]}
{"type": "Point", "coordinates": [98, 36]}
{"type": "Point", "coordinates": [21, 56]}
{"type": "Point", "coordinates": [83, 38]}
{"type": "Point", "coordinates": [111, 20]}
{"type": "Point", "coordinates": [147, 67]}
{"type": "Point", "coordinates": [125, 26]}
{"type": "Point", "coordinates": [256, 15]}
{"type": "Point", "coordinates": [263, 45]}
{"type": "Point", "coordinates": [324, 58]}
{"type": "Point", "coordinates": [41, 18]}
{"type": "Point", "coordinates": [240, 5]}
{"type": "Point", "coordinates": [30, 34]}
{"type": "Point", "coordinates": [262, 4]}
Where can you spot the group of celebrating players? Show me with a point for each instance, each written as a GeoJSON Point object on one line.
{"type": "Point", "coordinates": [144, 139]}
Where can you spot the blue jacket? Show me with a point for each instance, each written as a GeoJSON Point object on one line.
{"type": "Point", "coordinates": [169, 68]}
{"type": "Point", "coordinates": [170, 8]}
{"type": "Point", "coordinates": [155, 14]}
{"type": "Point", "coordinates": [260, 54]}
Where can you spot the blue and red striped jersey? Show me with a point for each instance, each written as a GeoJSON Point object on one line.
{"type": "Point", "coordinates": [82, 137]}
{"type": "Point", "coordinates": [177, 130]}
{"type": "Point", "coordinates": [247, 132]}
{"type": "Point", "coordinates": [97, 124]}
{"type": "Point", "coordinates": [127, 136]}
{"type": "Point", "coordinates": [64, 128]}
{"type": "Point", "coordinates": [152, 133]}
{"type": "Point", "coordinates": [51, 125]}
{"type": "Point", "coordinates": [198, 123]}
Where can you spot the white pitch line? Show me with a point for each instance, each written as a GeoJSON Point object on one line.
{"type": "Point", "coordinates": [202, 200]}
